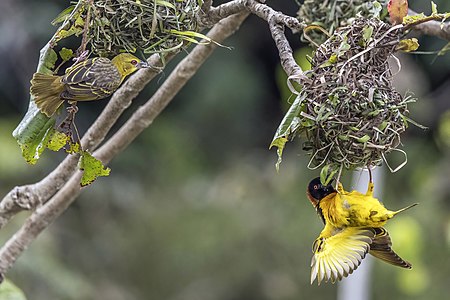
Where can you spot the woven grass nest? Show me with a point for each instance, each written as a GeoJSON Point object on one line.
{"type": "Point", "coordinates": [350, 113]}
{"type": "Point", "coordinates": [331, 14]}
{"type": "Point", "coordinates": [147, 25]}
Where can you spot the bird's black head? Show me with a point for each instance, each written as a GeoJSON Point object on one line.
{"type": "Point", "coordinates": [319, 191]}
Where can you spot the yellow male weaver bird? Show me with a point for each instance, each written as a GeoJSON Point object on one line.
{"type": "Point", "coordinates": [353, 227]}
{"type": "Point", "coordinates": [92, 79]}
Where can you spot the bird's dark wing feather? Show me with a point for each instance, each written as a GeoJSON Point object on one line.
{"type": "Point", "coordinates": [381, 248]}
{"type": "Point", "coordinates": [92, 79]}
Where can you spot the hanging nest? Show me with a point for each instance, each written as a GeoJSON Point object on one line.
{"type": "Point", "coordinates": [147, 25]}
{"type": "Point", "coordinates": [349, 111]}
{"type": "Point", "coordinates": [331, 14]}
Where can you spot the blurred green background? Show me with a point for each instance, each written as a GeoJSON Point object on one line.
{"type": "Point", "coordinates": [194, 208]}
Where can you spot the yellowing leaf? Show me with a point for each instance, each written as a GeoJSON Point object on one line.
{"type": "Point", "coordinates": [397, 9]}
{"type": "Point", "coordinates": [92, 168]}
{"type": "Point", "coordinates": [413, 19]}
{"type": "Point", "coordinates": [57, 140]}
{"type": "Point", "coordinates": [408, 45]}
{"type": "Point", "coordinates": [433, 8]}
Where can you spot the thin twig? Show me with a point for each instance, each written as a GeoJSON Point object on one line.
{"type": "Point", "coordinates": [433, 28]}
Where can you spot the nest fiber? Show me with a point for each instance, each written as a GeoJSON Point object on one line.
{"type": "Point", "coordinates": [351, 114]}
{"type": "Point", "coordinates": [331, 14]}
{"type": "Point", "coordinates": [147, 25]}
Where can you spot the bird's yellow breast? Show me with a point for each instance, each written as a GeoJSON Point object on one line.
{"type": "Point", "coordinates": [342, 209]}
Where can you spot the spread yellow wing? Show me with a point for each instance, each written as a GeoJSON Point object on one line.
{"type": "Point", "coordinates": [337, 253]}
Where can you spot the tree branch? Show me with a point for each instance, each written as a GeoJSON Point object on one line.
{"type": "Point", "coordinates": [433, 28]}
{"type": "Point", "coordinates": [276, 20]}
{"type": "Point", "coordinates": [28, 197]}
{"type": "Point", "coordinates": [142, 118]}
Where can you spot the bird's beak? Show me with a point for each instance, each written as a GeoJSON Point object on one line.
{"type": "Point", "coordinates": [142, 65]}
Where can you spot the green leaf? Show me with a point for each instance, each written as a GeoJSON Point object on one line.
{"type": "Point", "coordinates": [191, 35]}
{"type": "Point", "coordinates": [92, 168]}
{"type": "Point", "coordinates": [376, 9]}
{"type": "Point", "coordinates": [63, 15]}
{"type": "Point", "coordinates": [374, 113]}
{"type": "Point", "coordinates": [33, 133]}
{"type": "Point", "coordinates": [332, 60]}
{"type": "Point", "coordinates": [433, 8]}
{"type": "Point", "coordinates": [383, 125]}
{"type": "Point", "coordinates": [343, 47]}
{"type": "Point", "coordinates": [165, 3]}
{"type": "Point", "coordinates": [66, 54]}
{"type": "Point", "coordinates": [367, 34]}
{"type": "Point", "coordinates": [364, 139]}
{"type": "Point", "coordinates": [49, 61]}
{"type": "Point", "coordinates": [9, 291]}
{"type": "Point", "coordinates": [75, 28]}
{"type": "Point", "coordinates": [326, 175]}
{"type": "Point", "coordinates": [287, 126]}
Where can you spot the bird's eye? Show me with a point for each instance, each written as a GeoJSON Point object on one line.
{"type": "Point", "coordinates": [134, 62]}
{"type": "Point", "coordinates": [316, 186]}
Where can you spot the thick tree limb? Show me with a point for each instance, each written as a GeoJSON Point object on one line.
{"type": "Point", "coordinates": [142, 118]}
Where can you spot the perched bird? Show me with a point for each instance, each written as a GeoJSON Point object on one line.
{"type": "Point", "coordinates": [92, 79]}
{"type": "Point", "coordinates": [353, 227]}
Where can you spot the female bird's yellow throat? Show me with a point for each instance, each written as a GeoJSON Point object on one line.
{"type": "Point", "coordinates": [353, 227]}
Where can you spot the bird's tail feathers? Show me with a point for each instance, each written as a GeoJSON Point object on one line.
{"type": "Point", "coordinates": [46, 90]}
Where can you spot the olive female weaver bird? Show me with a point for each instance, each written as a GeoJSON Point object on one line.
{"type": "Point", "coordinates": [92, 79]}
{"type": "Point", "coordinates": [353, 227]}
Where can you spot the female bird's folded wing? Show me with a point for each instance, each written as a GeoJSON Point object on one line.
{"type": "Point", "coordinates": [338, 254]}
{"type": "Point", "coordinates": [92, 79]}
{"type": "Point", "coordinates": [381, 248]}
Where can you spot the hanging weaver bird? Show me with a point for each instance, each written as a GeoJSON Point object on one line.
{"type": "Point", "coordinates": [92, 79]}
{"type": "Point", "coordinates": [353, 227]}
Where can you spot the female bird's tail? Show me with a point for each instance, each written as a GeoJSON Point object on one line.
{"type": "Point", "coordinates": [46, 91]}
